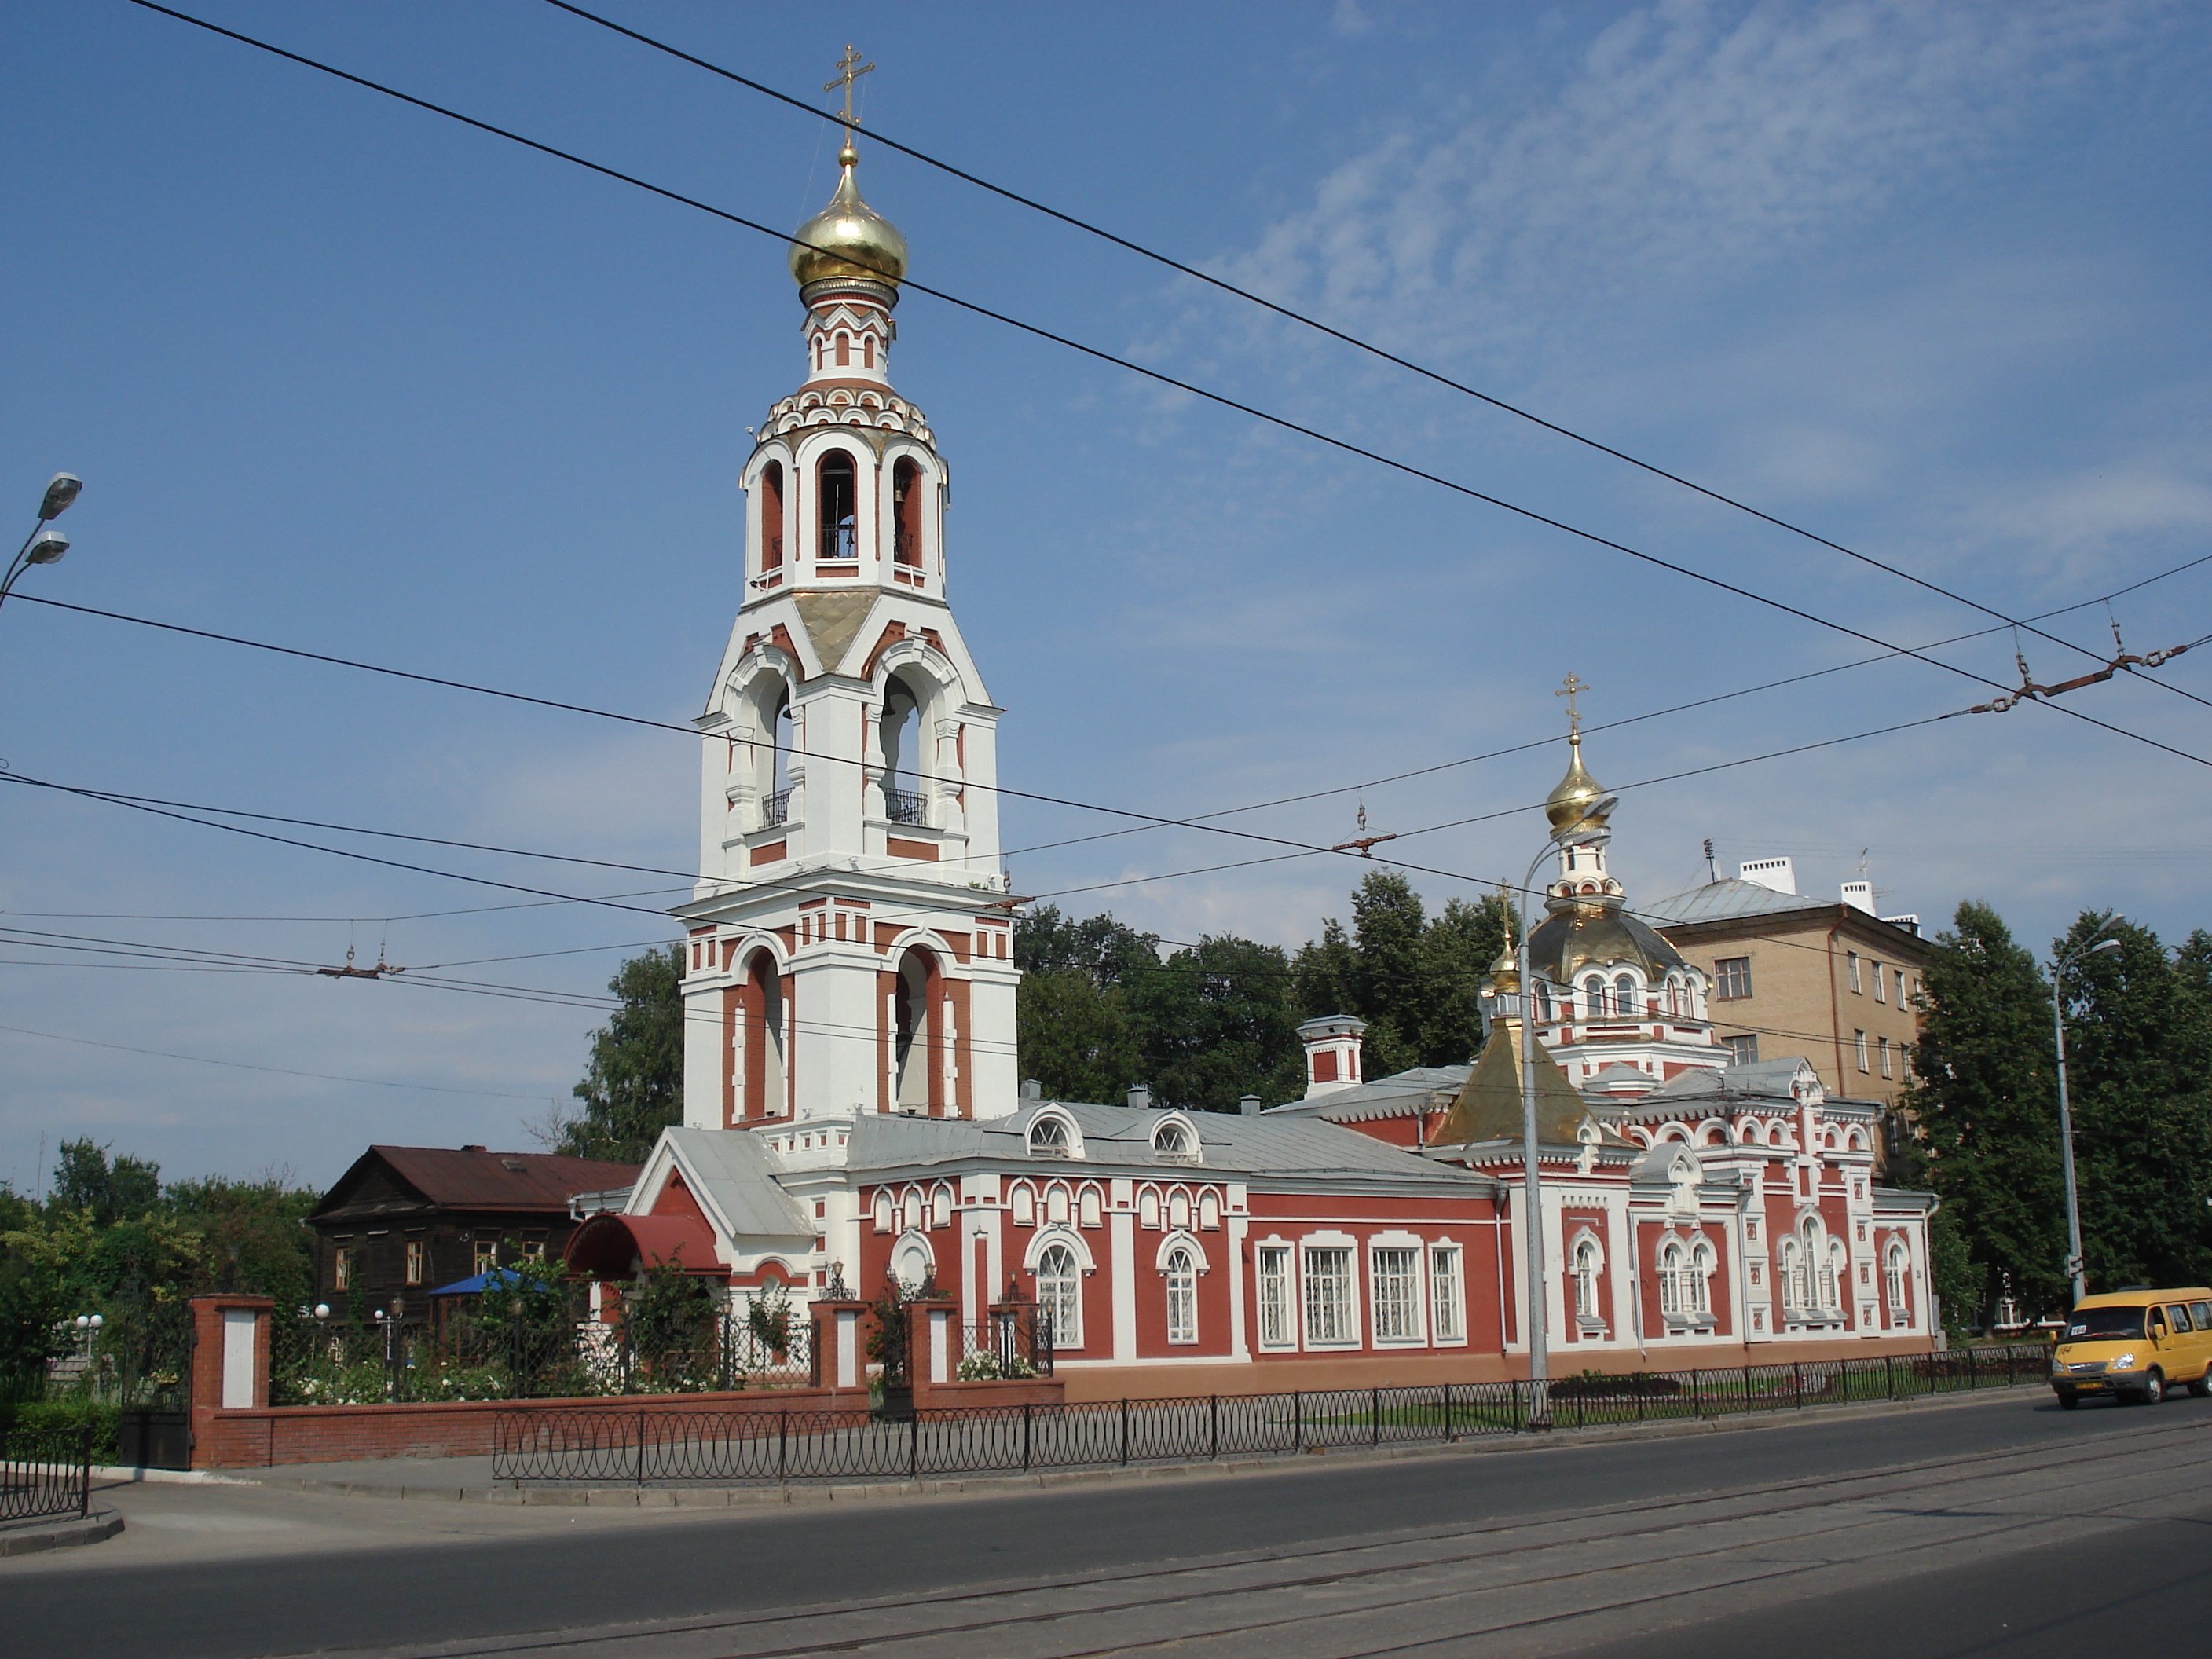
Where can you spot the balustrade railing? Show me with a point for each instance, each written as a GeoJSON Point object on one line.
{"type": "Point", "coordinates": [776, 809]}
{"type": "Point", "coordinates": [904, 805]}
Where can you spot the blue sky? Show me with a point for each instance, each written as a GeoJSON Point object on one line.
{"type": "Point", "coordinates": [343, 375]}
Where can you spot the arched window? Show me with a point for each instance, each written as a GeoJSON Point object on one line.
{"type": "Point", "coordinates": [1832, 1273]}
{"type": "Point", "coordinates": [1048, 1138]}
{"type": "Point", "coordinates": [835, 500]}
{"type": "Point", "coordinates": [906, 514]}
{"type": "Point", "coordinates": [1148, 1208]}
{"type": "Point", "coordinates": [765, 1037]}
{"type": "Point", "coordinates": [913, 1212]}
{"type": "Point", "coordinates": [1625, 999]}
{"type": "Point", "coordinates": [1793, 1275]}
{"type": "Point", "coordinates": [1593, 995]}
{"type": "Point", "coordinates": [1543, 1003]}
{"type": "Point", "coordinates": [912, 1265]}
{"type": "Point", "coordinates": [1183, 1297]}
{"type": "Point", "coordinates": [910, 1043]}
{"type": "Point", "coordinates": [772, 517]}
{"type": "Point", "coordinates": [844, 351]}
{"type": "Point", "coordinates": [882, 1213]}
{"type": "Point", "coordinates": [1059, 1294]}
{"type": "Point", "coordinates": [1209, 1211]}
{"type": "Point", "coordinates": [1088, 1208]}
{"type": "Point", "coordinates": [1055, 1203]}
{"type": "Point", "coordinates": [1892, 1274]}
{"type": "Point", "coordinates": [940, 1207]}
{"type": "Point", "coordinates": [1670, 1279]}
{"type": "Point", "coordinates": [1025, 1205]}
{"type": "Point", "coordinates": [1696, 1292]}
{"type": "Point", "coordinates": [902, 740]}
{"type": "Point", "coordinates": [1179, 1209]}
{"type": "Point", "coordinates": [1173, 1141]}
{"type": "Point", "coordinates": [1586, 1269]}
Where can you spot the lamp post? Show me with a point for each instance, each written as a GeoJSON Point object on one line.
{"type": "Point", "coordinates": [42, 546]}
{"type": "Point", "coordinates": [2093, 947]}
{"type": "Point", "coordinates": [1586, 829]}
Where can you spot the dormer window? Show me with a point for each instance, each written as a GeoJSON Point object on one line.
{"type": "Point", "coordinates": [1174, 1142]}
{"type": "Point", "coordinates": [1051, 1136]}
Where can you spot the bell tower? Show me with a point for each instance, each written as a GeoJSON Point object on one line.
{"type": "Point", "coordinates": [850, 943]}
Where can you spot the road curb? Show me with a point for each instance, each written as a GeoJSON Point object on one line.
{"type": "Point", "coordinates": [60, 1535]}
{"type": "Point", "coordinates": [985, 1486]}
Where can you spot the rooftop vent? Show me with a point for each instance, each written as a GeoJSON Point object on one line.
{"type": "Point", "coordinates": [1032, 1089]}
{"type": "Point", "coordinates": [1859, 895]}
{"type": "Point", "coordinates": [1140, 1098]}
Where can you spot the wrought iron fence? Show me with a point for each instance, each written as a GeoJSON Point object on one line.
{"type": "Point", "coordinates": [776, 809]}
{"type": "Point", "coordinates": [44, 1473]}
{"type": "Point", "coordinates": [590, 1445]}
{"type": "Point", "coordinates": [1012, 1344]}
{"type": "Point", "coordinates": [315, 1362]}
{"type": "Point", "coordinates": [904, 805]}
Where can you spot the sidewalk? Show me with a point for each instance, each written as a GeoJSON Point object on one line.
{"type": "Point", "coordinates": [469, 1479]}
{"type": "Point", "coordinates": [35, 1537]}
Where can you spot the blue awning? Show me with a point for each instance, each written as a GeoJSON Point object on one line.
{"type": "Point", "coordinates": [482, 1282]}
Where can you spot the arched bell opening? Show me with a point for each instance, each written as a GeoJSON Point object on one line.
{"type": "Point", "coordinates": [915, 1036]}
{"type": "Point", "coordinates": [906, 495]}
{"type": "Point", "coordinates": [766, 1038]}
{"type": "Point", "coordinates": [771, 510]}
{"type": "Point", "coordinates": [835, 500]}
{"type": "Point", "coordinates": [905, 705]}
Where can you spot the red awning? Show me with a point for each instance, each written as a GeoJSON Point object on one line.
{"type": "Point", "coordinates": [617, 1246]}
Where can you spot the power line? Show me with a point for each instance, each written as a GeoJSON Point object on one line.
{"type": "Point", "coordinates": [1222, 399]}
{"type": "Point", "coordinates": [1305, 321]}
{"type": "Point", "coordinates": [278, 1071]}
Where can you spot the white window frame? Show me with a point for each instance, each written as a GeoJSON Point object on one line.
{"type": "Point", "coordinates": [1394, 1288]}
{"type": "Point", "coordinates": [1060, 1299]}
{"type": "Point", "coordinates": [1852, 968]}
{"type": "Point", "coordinates": [1274, 1276]}
{"type": "Point", "coordinates": [1182, 1276]}
{"type": "Point", "coordinates": [1859, 1047]}
{"type": "Point", "coordinates": [1447, 1294]}
{"type": "Point", "coordinates": [1878, 996]}
{"type": "Point", "coordinates": [1328, 1293]}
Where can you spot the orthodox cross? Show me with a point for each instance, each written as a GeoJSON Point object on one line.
{"type": "Point", "coordinates": [847, 74]}
{"type": "Point", "coordinates": [1569, 689]}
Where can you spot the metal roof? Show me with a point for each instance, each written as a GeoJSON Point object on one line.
{"type": "Point", "coordinates": [732, 1177]}
{"type": "Point", "coordinates": [475, 1178]}
{"type": "Point", "coordinates": [1725, 901]}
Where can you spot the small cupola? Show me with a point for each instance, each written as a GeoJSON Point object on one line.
{"type": "Point", "coordinates": [1332, 1053]}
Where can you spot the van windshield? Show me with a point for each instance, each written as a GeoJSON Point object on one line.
{"type": "Point", "coordinates": [2105, 1325]}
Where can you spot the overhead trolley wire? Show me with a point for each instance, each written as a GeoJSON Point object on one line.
{"type": "Point", "coordinates": [1100, 354]}
{"type": "Point", "coordinates": [1306, 321]}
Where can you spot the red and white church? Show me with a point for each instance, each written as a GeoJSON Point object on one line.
{"type": "Point", "coordinates": [853, 1106]}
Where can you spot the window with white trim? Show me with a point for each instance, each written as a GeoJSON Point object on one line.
{"type": "Point", "coordinates": [1892, 1275]}
{"type": "Point", "coordinates": [1732, 978]}
{"type": "Point", "coordinates": [1445, 1298]}
{"type": "Point", "coordinates": [1209, 1211]}
{"type": "Point", "coordinates": [1332, 1308]}
{"type": "Point", "coordinates": [1183, 1297]}
{"type": "Point", "coordinates": [1878, 996]}
{"type": "Point", "coordinates": [1670, 1279]}
{"type": "Point", "coordinates": [1851, 964]}
{"type": "Point", "coordinates": [1586, 1270]}
{"type": "Point", "coordinates": [1088, 1208]}
{"type": "Point", "coordinates": [882, 1209]}
{"type": "Point", "coordinates": [1696, 1288]}
{"type": "Point", "coordinates": [1274, 1286]}
{"type": "Point", "coordinates": [1859, 1048]}
{"type": "Point", "coordinates": [1881, 1052]}
{"type": "Point", "coordinates": [1397, 1293]}
{"type": "Point", "coordinates": [1059, 1294]}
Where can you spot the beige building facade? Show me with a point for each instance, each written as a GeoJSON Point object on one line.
{"type": "Point", "coordinates": [1796, 975]}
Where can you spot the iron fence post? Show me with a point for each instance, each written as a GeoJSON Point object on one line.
{"type": "Point", "coordinates": [1125, 1431]}
{"type": "Point", "coordinates": [1298, 1421]}
{"type": "Point", "coordinates": [1451, 1433]}
{"type": "Point", "coordinates": [1889, 1374]}
{"type": "Point", "coordinates": [1213, 1437]}
{"type": "Point", "coordinates": [914, 1446]}
{"type": "Point", "coordinates": [640, 1448]}
{"type": "Point", "coordinates": [1025, 1435]}
{"type": "Point", "coordinates": [1516, 1403]}
{"type": "Point", "coordinates": [782, 1445]}
{"type": "Point", "coordinates": [84, 1470]}
{"type": "Point", "coordinates": [1697, 1405]}
{"type": "Point", "coordinates": [1797, 1381]}
{"type": "Point", "coordinates": [1375, 1417]}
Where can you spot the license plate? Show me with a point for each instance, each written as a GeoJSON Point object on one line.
{"type": "Point", "coordinates": [2088, 1385]}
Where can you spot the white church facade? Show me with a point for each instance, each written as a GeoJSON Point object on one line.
{"type": "Point", "coordinates": [853, 1106]}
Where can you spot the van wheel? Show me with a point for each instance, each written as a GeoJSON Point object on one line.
{"type": "Point", "coordinates": [2153, 1389]}
{"type": "Point", "coordinates": [2203, 1386]}
{"type": "Point", "coordinates": [2067, 1402]}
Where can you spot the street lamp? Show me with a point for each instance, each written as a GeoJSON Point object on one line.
{"type": "Point", "coordinates": [2091, 946]}
{"type": "Point", "coordinates": [42, 546]}
{"type": "Point", "coordinates": [1587, 829]}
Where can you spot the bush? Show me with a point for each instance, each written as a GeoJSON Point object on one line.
{"type": "Point", "coordinates": [1596, 1385]}
{"type": "Point", "coordinates": [996, 1368]}
{"type": "Point", "coordinates": [34, 1419]}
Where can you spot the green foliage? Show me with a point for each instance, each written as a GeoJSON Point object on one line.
{"type": "Point", "coordinates": [633, 1085]}
{"type": "Point", "coordinates": [41, 1419]}
{"type": "Point", "coordinates": [85, 1179]}
{"type": "Point", "coordinates": [1414, 979]}
{"type": "Point", "coordinates": [1075, 1037]}
{"type": "Point", "coordinates": [2139, 1025]}
{"type": "Point", "coordinates": [673, 1321]}
{"type": "Point", "coordinates": [1216, 1021]}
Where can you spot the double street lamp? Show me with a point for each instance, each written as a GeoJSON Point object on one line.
{"type": "Point", "coordinates": [1587, 829]}
{"type": "Point", "coordinates": [2095, 945]}
{"type": "Point", "coordinates": [42, 546]}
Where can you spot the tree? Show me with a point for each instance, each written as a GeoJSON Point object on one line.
{"type": "Point", "coordinates": [2139, 1034]}
{"type": "Point", "coordinates": [633, 1087]}
{"type": "Point", "coordinates": [1985, 1100]}
{"type": "Point", "coordinates": [1106, 951]}
{"type": "Point", "coordinates": [85, 1179]}
{"type": "Point", "coordinates": [1218, 1021]}
{"type": "Point", "coordinates": [1415, 980]}
{"type": "Point", "coordinates": [1075, 1039]}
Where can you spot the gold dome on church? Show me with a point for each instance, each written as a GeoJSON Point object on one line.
{"type": "Point", "coordinates": [849, 238]}
{"type": "Point", "coordinates": [1569, 802]}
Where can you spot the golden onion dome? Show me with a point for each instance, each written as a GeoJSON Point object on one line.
{"type": "Point", "coordinates": [1504, 976]}
{"type": "Point", "coordinates": [849, 238]}
{"type": "Point", "coordinates": [1569, 802]}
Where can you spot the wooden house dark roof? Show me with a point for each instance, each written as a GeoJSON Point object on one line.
{"type": "Point", "coordinates": [398, 1180]}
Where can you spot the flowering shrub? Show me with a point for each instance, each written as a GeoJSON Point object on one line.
{"type": "Point", "coordinates": [995, 1368]}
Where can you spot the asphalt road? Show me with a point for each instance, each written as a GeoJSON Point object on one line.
{"type": "Point", "coordinates": [244, 1572]}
